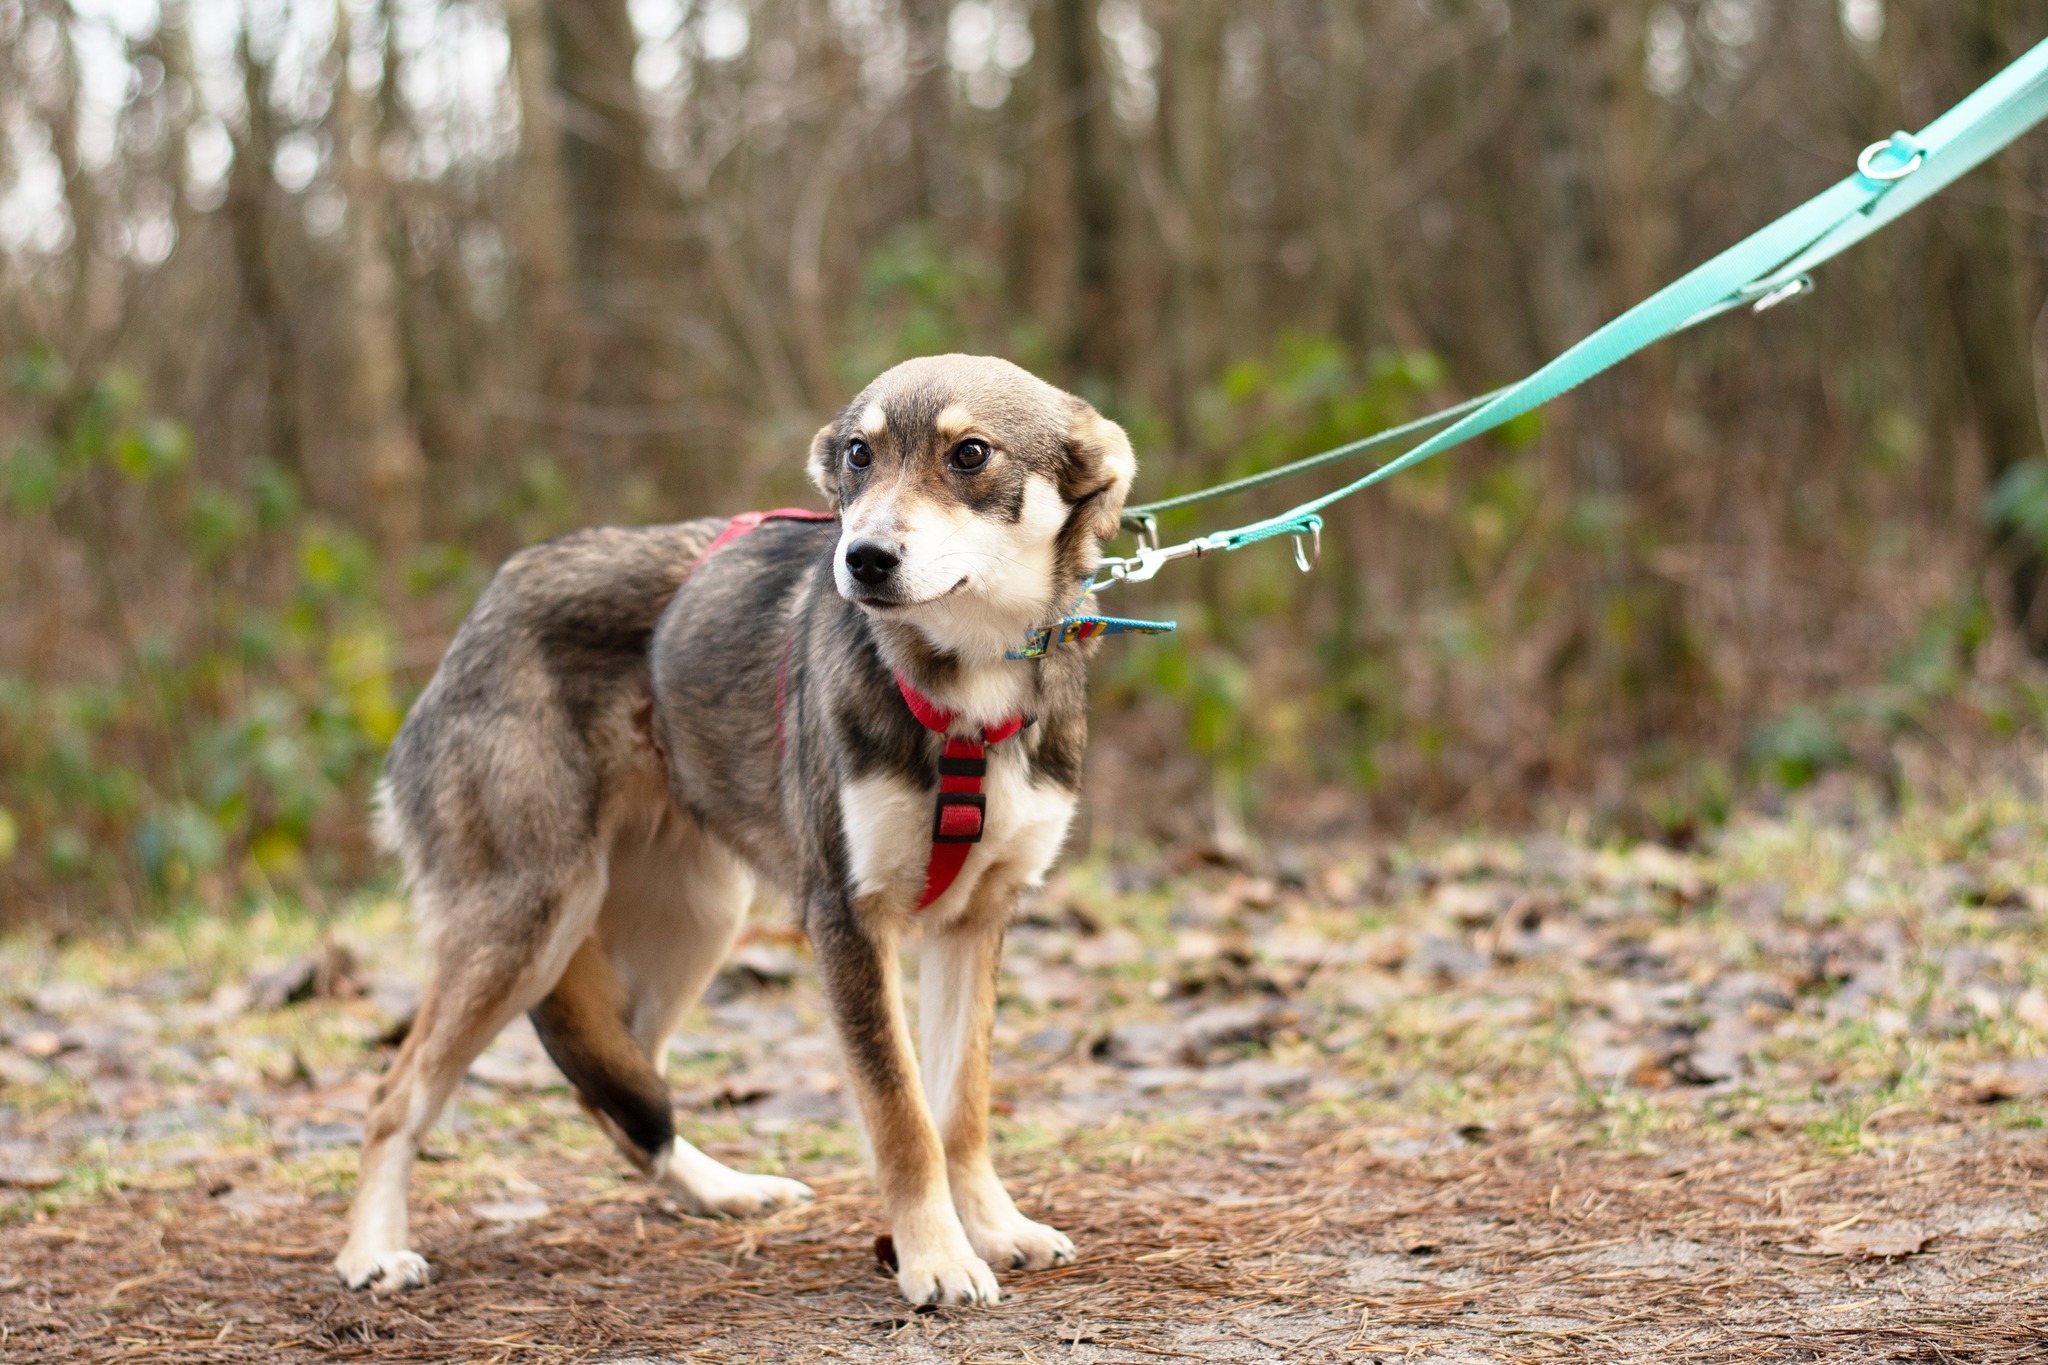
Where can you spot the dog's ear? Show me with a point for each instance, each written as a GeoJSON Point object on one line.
{"type": "Point", "coordinates": [823, 464]}
{"type": "Point", "coordinates": [1100, 467]}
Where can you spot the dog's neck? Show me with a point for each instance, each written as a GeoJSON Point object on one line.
{"type": "Point", "coordinates": [955, 656]}
{"type": "Point", "coordinates": [982, 688]}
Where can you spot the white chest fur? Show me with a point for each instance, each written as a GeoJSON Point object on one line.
{"type": "Point", "coordinates": [888, 828]}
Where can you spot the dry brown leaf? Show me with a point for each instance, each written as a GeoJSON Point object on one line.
{"type": "Point", "coordinates": [1857, 1238]}
{"type": "Point", "coordinates": [2013, 1079]}
{"type": "Point", "coordinates": [511, 1210]}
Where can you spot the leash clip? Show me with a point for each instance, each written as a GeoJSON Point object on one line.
{"type": "Point", "coordinates": [1137, 568]}
{"type": "Point", "coordinates": [1150, 559]}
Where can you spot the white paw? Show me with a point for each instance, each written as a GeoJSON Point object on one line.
{"type": "Point", "coordinates": [381, 1269]}
{"type": "Point", "coordinates": [735, 1195]}
{"type": "Point", "coordinates": [961, 1278]}
{"type": "Point", "coordinates": [1017, 1243]}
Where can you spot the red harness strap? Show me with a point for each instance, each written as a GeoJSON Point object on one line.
{"type": "Point", "coordinates": [962, 811]}
{"type": "Point", "coordinates": [743, 524]}
{"type": "Point", "coordinates": [751, 521]}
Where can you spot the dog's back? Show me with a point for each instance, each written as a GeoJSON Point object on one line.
{"type": "Point", "coordinates": [539, 700]}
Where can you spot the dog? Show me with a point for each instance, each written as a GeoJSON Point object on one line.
{"type": "Point", "coordinates": [635, 728]}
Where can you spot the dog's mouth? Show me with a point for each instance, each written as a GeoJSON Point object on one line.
{"type": "Point", "coordinates": [882, 599]}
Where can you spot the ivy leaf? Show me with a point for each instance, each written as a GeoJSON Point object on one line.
{"type": "Point", "coordinates": [2020, 500]}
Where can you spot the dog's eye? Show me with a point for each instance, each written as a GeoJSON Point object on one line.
{"type": "Point", "coordinates": [858, 455]}
{"type": "Point", "coordinates": [970, 455]}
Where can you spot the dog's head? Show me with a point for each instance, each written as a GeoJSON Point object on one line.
{"type": "Point", "coordinates": [974, 498]}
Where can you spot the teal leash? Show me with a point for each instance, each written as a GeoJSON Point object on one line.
{"type": "Point", "coordinates": [1768, 267]}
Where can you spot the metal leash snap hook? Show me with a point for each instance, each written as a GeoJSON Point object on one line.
{"type": "Point", "coordinates": [1899, 144]}
{"type": "Point", "coordinates": [1310, 561]}
{"type": "Point", "coordinates": [1138, 567]}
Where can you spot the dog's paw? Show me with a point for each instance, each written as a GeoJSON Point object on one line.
{"type": "Point", "coordinates": [381, 1269]}
{"type": "Point", "coordinates": [737, 1195]}
{"type": "Point", "coordinates": [960, 1278]}
{"type": "Point", "coordinates": [1017, 1243]}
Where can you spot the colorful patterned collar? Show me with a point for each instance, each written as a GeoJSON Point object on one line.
{"type": "Point", "coordinates": [1081, 627]}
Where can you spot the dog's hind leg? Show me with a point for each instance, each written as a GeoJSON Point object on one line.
{"type": "Point", "coordinates": [478, 984]}
{"type": "Point", "coordinates": [674, 907]}
{"type": "Point", "coordinates": [957, 1006]}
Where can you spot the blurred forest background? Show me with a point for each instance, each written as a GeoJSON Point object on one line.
{"type": "Point", "coordinates": [312, 310]}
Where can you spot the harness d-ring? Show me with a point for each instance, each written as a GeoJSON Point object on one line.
{"type": "Point", "coordinates": [1898, 143]}
{"type": "Point", "coordinates": [1312, 560]}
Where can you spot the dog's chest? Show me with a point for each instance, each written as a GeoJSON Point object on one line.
{"type": "Point", "coordinates": [887, 824]}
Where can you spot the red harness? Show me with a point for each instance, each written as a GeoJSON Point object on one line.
{"type": "Point", "coordinates": [961, 814]}
{"type": "Point", "coordinates": [744, 524]}
{"type": "Point", "coordinates": [751, 521]}
{"type": "Point", "coordinates": [963, 809]}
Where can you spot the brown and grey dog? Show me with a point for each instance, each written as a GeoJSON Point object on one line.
{"type": "Point", "coordinates": [620, 743]}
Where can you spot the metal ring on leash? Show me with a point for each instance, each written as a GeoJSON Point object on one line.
{"type": "Point", "coordinates": [1312, 560]}
{"type": "Point", "coordinates": [1867, 158]}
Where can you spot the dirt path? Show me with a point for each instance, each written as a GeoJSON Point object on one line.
{"type": "Point", "coordinates": [1304, 1250]}
{"type": "Point", "coordinates": [1470, 1101]}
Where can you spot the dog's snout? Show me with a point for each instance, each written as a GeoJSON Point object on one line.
{"type": "Point", "coordinates": [872, 561]}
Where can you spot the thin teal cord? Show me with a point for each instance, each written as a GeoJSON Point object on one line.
{"type": "Point", "coordinates": [1391, 436]}
{"type": "Point", "coordinates": [1900, 175]}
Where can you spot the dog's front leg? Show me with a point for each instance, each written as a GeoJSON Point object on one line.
{"type": "Point", "coordinates": [855, 947]}
{"type": "Point", "coordinates": [957, 986]}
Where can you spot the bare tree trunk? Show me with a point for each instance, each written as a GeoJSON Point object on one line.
{"type": "Point", "coordinates": [1981, 287]}
{"type": "Point", "coordinates": [1350, 161]}
{"type": "Point", "coordinates": [1191, 121]}
{"type": "Point", "coordinates": [1092, 341]}
{"type": "Point", "coordinates": [1574, 75]}
{"type": "Point", "coordinates": [620, 212]}
{"type": "Point", "coordinates": [250, 215]}
{"type": "Point", "coordinates": [542, 239]}
{"type": "Point", "coordinates": [807, 228]}
{"type": "Point", "coordinates": [81, 196]}
{"type": "Point", "coordinates": [393, 470]}
{"type": "Point", "coordinates": [930, 102]}
{"type": "Point", "coordinates": [171, 44]}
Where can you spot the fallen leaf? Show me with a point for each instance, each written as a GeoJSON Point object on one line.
{"type": "Point", "coordinates": [16, 1069]}
{"type": "Point", "coordinates": [249, 1206]}
{"type": "Point", "coordinates": [511, 1210]}
{"type": "Point", "coordinates": [2020, 1079]}
{"type": "Point", "coordinates": [41, 1044]}
{"type": "Point", "coordinates": [762, 966]}
{"type": "Point", "coordinates": [328, 973]}
{"type": "Point", "coordinates": [1857, 1238]}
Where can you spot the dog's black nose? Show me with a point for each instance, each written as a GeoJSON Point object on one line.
{"type": "Point", "coordinates": [872, 561]}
